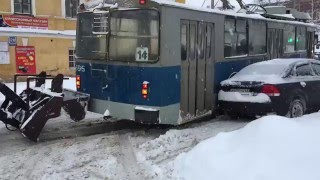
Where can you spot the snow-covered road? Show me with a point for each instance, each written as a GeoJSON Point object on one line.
{"type": "Point", "coordinates": [97, 149]}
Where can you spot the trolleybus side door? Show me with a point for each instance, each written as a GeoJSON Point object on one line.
{"type": "Point", "coordinates": [196, 67]}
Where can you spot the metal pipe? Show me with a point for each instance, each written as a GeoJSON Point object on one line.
{"type": "Point", "coordinates": [22, 75]}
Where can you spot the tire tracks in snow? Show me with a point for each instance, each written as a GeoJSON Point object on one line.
{"type": "Point", "coordinates": [128, 158]}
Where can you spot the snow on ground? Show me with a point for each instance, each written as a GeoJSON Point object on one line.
{"type": "Point", "coordinates": [98, 149]}
{"type": "Point", "coordinates": [272, 148]}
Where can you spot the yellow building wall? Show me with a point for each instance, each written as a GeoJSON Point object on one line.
{"type": "Point", "coordinates": [48, 7]}
{"type": "Point", "coordinates": [51, 53]}
{"type": "Point", "coordinates": [51, 9]}
{"type": "Point", "coordinates": [5, 6]}
{"type": "Point", "coordinates": [52, 56]}
{"type": "Point", "coordinates": [61, 24]}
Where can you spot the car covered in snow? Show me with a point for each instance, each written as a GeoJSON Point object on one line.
{"type": "Point", "coordinates": [288, 87]}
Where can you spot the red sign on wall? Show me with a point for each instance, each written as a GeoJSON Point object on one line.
{"type": "Point", "coordinates": [23, 22]}
{"type": "Point", "coordinates": [25, 60]}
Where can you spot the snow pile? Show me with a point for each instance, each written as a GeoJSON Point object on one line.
{"type": "Point", "coordinates": [241, 97]}
{"type": "Point", "coordinates": [272, 148]}
{"type": "Point", "coordinates": [156, 156]}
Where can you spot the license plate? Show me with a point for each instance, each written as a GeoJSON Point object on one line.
{"type": "Point", "coordinates": [246, 93]}
{"type": "Point", "coordinates": [240, 90]}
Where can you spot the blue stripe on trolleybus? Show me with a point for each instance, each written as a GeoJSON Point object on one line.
{"type": "Point", "coordinates": [123, 84]}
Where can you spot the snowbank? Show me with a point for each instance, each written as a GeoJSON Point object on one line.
{"type": "Point", "coordinates": [271, 148]}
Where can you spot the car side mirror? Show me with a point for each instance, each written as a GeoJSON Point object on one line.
{"type": "Point", "coordinates": [232, 74]}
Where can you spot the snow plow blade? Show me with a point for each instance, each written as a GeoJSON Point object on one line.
{"type": "Point", "coordinates": [30, 111]}
{"type": "Point", "coordinates": [49, 108]}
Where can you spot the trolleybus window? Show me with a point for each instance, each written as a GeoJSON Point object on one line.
{"type": "Point", "coordinates": [183, 42]}
{"type": "Point", "coordinates": [134, 34]}
{"type": "Point", "coordinates": [289, 37]}
{"type": "Point", "coordinates": [301, 38]}
{"type": "Point", "coordinates": [201, 36]}
{"type": "Point", "coordinates": [193, 30]}
{"type": "Point", "coordinates": [257, 37]}
{"type": "Point", "coordinates": [209, 36]}
{"type": "Point", "coordinates": [235, 37]}
{"type": "Point", "coordinates": [89, 45]}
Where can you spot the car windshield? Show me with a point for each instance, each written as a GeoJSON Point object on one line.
{"type": "Point", "coordinates": [262, 69]}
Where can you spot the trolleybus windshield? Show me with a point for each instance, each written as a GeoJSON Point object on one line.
{"type": "Point", "coordinates": [89, 45]}
{"type": "Point", "coordinates": [134, 35]}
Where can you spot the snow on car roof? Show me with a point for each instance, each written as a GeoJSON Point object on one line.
{"type": "Point", "coordinates": [270, 71]}
{"type": "Point", "coordinates": [282, 61]}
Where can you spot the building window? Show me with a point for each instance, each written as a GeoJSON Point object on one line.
{"type": "Point", "coordinates": [257, 37]}
{"type": "Point", "coordinates": [235, 37]}
{"type": "Point", "coordinates": [22, 6]}
{"type": "Point", "coordinates": [4, 53]}
{"type": "Point", "coordinates": [72, 63]}
{"type": "Point", "coordinates": [71, 8]}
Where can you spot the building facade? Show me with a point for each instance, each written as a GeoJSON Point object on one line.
{"type": "Point", "coordinates": [37, 35]}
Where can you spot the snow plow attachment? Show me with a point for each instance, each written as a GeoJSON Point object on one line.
{"type": "Point", "coordinates": [30, 111]}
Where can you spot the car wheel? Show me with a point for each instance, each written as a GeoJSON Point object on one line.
{"type": "Point", "coordinates": [297, 108]}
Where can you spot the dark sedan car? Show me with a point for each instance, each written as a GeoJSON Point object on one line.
{"type": "Point", "coordinates": [288, 87]}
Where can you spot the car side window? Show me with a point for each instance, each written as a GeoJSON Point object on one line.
{"type": "Point", "coordinates": [304, 70]}
{"type": "Point", "coordinates": [316, 68]}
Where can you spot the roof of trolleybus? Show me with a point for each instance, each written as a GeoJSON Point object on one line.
{"type": "Point", "coordinates": [155, 3]}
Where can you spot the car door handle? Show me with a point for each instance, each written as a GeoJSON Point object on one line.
{"type": "Point", "coordinates": [303, 84]}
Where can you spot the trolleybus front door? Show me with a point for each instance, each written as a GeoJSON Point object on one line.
{"type": "Point", "coordinates": [196, 67]}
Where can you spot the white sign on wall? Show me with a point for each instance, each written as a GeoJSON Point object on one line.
{"type": "Point", "coordinates": [4, 53]}
{"type": "Point", "coordinates": [4, 58]}
{"type": "Point", "coordinates": [4, 46]}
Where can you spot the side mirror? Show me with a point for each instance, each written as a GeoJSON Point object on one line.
{"type": "Point", "coordinates": [232, 74]}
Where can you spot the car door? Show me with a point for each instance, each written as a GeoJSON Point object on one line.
{"type": "Point", "coordinates": [316, 69]}
{"type": "Point", "coordinates": [306, 82]}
